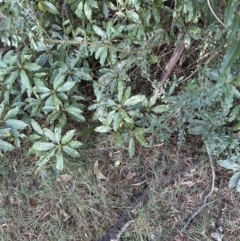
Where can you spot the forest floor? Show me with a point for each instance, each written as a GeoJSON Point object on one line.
{"type": "Point", "coordinates": [76, 205]}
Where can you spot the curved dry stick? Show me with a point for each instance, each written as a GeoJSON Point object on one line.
{"type": "Point", "coordinates": [218, 19]}
{"type": "Point", "coordinates": [172, 62]}
{"type": "Point", "coordinates": [205, 199]}
{"type": "Point", "coordinates": [115, 232]}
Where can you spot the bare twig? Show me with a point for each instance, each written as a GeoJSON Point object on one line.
{"type": "Point", "coordinates": [172, 62]}
{"type": "Point", "coordinates": [205, 199]}
{"type": "Point", "coordinates": [218, 19]}
{"type": "Point", "coordinates": [115, 232]}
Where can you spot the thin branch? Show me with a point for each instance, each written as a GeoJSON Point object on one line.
{"type": "Point", "coordinates": [218, 19]}
{"type": "Point", "coordinates": [172, 62]}
{"type": "Point", "coordinates": [205, 199]}
{"type": "Point", "coordinates": [76, 42]}
{"type": "Point", "coordinates": [115, 232]}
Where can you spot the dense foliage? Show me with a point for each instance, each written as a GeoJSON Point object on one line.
{"type": "Point", "coordinates": [62, 60]}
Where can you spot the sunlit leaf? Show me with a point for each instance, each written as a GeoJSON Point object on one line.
{"type": "Point", "coordinates": [50, 135]}
{"type": "Point", "coordinates": [97, 172]}
{"type": "Point", "coordinates": [43, 146]}
{"type": "Point", "coordinates": [46, 157]}
{"type": "Point", "coordinates": [31, 66]}
{"type": "Point", "coordinates": [234, 180]}
{"type": "Point", "coordinates": [11, 113]}
{"type": "Point", "coordinates": [49, 7]}
{"type": "Point", "coordinates": [131, 147]}
{"type": "Point", "coordinates": [133, 16]}
{"type": "Point", "coordinates": [134, 100]}
{"type": "Point", "coordinates": [98, 31]}
{"type": "Point", "coordinates": [70, 151]}
{"type": "Point", "coordinates": [88, 11]}
{"type": "Point", "coordinates": [26, 82]}
{"type": "Point", "coordinates": [5, 146]}
{"type": "Point", "coordinates": [160, 108]}
{"type": "Point", "coordinates": [66, 86]}
{"type": "Point", "coordinates": [17, 124]}
{"type": "Point", "coordinates": [67, 137]}
{"type": "Point", "coordinates": [229, 12]}
{"type": "Point", "coordinates": [103, 129]}
{"type": "Point", "coordinates": [59, 160]}
{"type": "Point", "coordinates": [232, 54]}
{"type": "Point", "coordinates": [229, 164]}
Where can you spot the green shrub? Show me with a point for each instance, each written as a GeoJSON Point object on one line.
{"type": "Point", "coordinates": [52, 50]}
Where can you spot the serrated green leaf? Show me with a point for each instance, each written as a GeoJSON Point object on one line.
{"type": "Point", "coordinates": [105, 10]}
{"type": "Point", "coordinates": [70, 151]}
{"type": "Point", "coordinates": [98, 31]}
{"type": "Point", "coordinates": [110, 117]}
{"type": "Point", "coordinates": [87, 11]}
{"type": "Point", "coordinates": [74, 144]}
{"type": "Point", "coordinates": [236, 127]}
{"type": "Point", "coordinates": [53, 116]}
{"type": "Point", "coordinates": [11, 113]}
{"type": "Point", "coordinates": [140, 138]}
{"type": "Point", "coordinates": [46, 157]}
{"type": "Point", "coordinates": [12, 78]}
{"type": "Point", "coordinates": [5, 146]}
{"type": "Point", "coordinates": [16, 124]}
{"type": "Point", "coordinates": [160, 108]}
{"type": "Point", "coordinates": [43, 89]}
{"type": "Point", "coordinates": [235, 26]}
{"type": "Point", "coordinates": [79, 10]}
{"type": "Point", "coordinates": [102, 54]}
{"type": "Point", "coordinates": [231, 55]}
{"type": "Point", "coordinates": [234, 180]}
{"type": "Point", "coordinates": [116, 121]}
{"type": "Point", "coordinates": [118, 139]}
{"type": "Point", "coordinates": [134, 100]}
{"type": "Point", "coordinates": [153, 100]}
{"type": "Point", "coordinates": [43, 146]}
{"type": "Point", "coordinates": [59, 160]}
{"type": "Point", "coordinates": [126, 94]}
{"type": "Point", "coordinates": [26, 82]}
{"type": "Point", "coordinates": [67, 137]}
{"type": "Point", "coordinates": [50, 135]}
{"type": "Point", "coordinates": [58, 80]}
{"type": "Point", "coordinates": [34, 137]}
{"type": "Point", "coordinates": [75, 113]}
{"type": "Point", "coordinates": [234, 113]}
{"type": "Point", "coordinates": [2, 105]}
{"type": "Point", "coordinates": [120, 90]}
{"type": "Point", "coordinates": [229, 12]}
{"type": "Point", "coordinates": [238, 186]}
{"type": "Point", "coordinates": [156, 14]}
{"type": "Point", "coordinates": [133, 16]}
{"type": "Point", "coordinates": [125, 116]}
{"type": "Point", "coordinates": [4, 131]}
{"type": "Point", "coordinates": [229, 164]}
{"type": "Point", "coordinates": [131, 147]}
{"type": "Point", "coordinates": [58, 133]}
{"type": "Point", "coordinates": [103, 129]}
{"type": "Point", "coordinates": [31, 66]}
{"type": "Point", "coordinates": [50, 7]}
{"type": "Point", "coordinates": [66, 86]}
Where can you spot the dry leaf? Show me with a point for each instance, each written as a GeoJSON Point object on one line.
{"type": "Point", "coordinates": [64, 178]}
{"type": "Point", "coordinates": [97, 172]}
{"type": "Point", "coordinates": [32, 202]}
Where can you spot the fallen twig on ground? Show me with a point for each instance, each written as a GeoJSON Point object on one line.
{"type": "Point", "coordinates": [115, 232]}
{"type": "Point", "coordinates": [205, 199]}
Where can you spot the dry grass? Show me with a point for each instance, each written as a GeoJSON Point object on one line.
{"type": "Point", "coordinates": [75, 205]}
